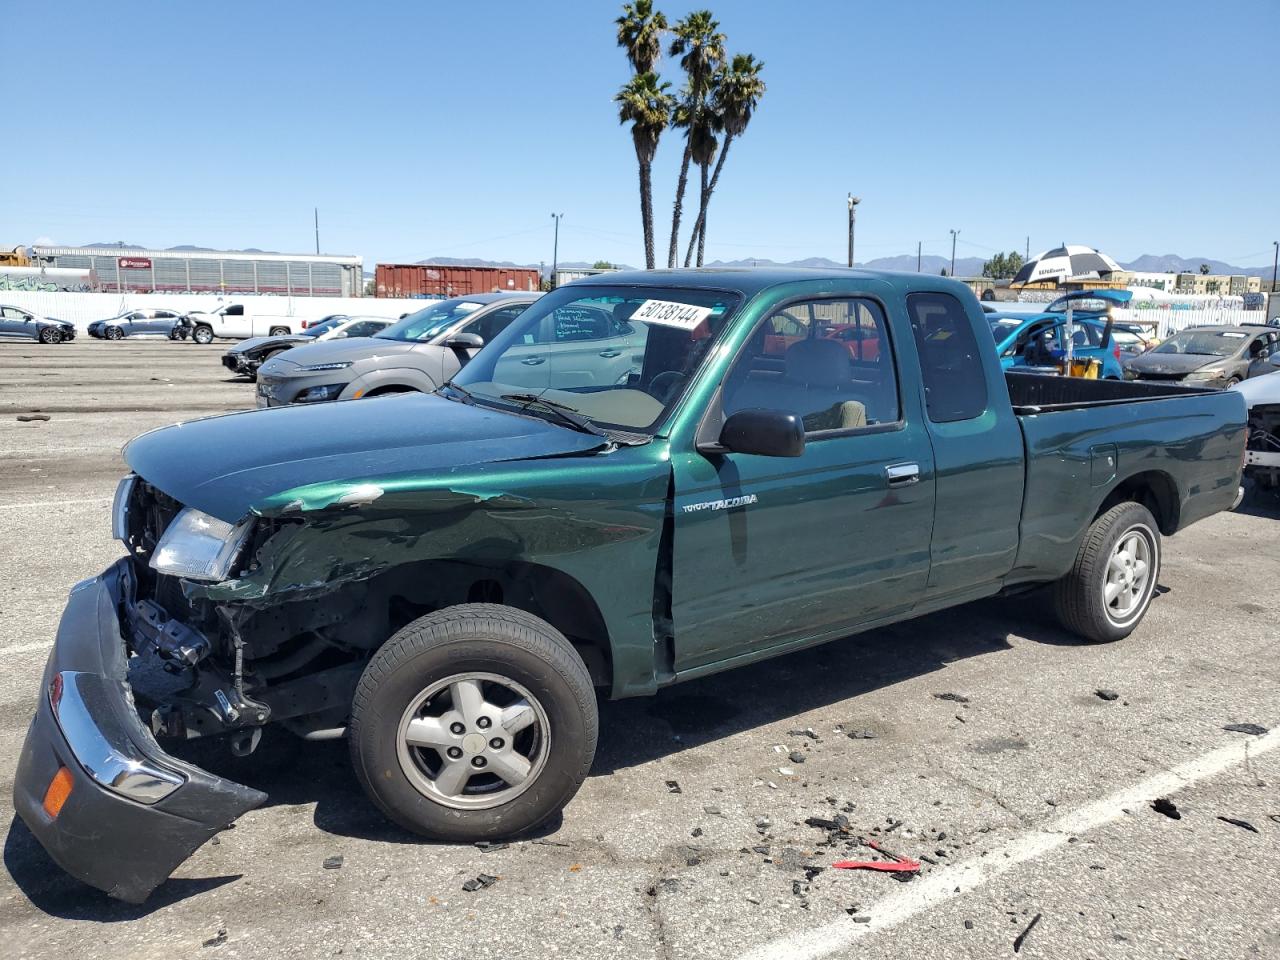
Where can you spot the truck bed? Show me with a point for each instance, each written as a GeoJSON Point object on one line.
{"type": "Point", "coordinates": [1082, 438]}
{"type": "Point", "coordinates": [1036, 393]}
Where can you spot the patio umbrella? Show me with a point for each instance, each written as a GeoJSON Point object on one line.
{"type": "Point", "coordinates": [1067, 262]}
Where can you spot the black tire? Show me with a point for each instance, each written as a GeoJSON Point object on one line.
{"type": "Point", "coordinates": [1230, 383]}
{"type": "Point", "coordinates": [113, 333]}
{"type": "Point", "coordinates": [278, 332]}
{"type": "Point", "coordinates": [1078, 597]}
{"type": "Point", "coordinates": [474, 639]}
{"type": "Point", "coordinates": [50, 335]}
{"type": "Point", "coordinates": [202, 334]}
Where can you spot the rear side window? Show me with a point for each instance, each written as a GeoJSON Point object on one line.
{"type": "Point", "coordinates": [955, 387]}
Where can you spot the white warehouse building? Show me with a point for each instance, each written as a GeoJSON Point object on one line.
{"type": "Point", "coordinates": [129, 270]}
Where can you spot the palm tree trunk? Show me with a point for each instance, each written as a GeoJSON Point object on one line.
{"type": "Point", "coordinates": [675, 216]}
{"type": "Point", "coordinates": [702, 215]}
{"type": "Point", "coordinates": [700, 227]}
{"type": "Point", "coordinates": [646, 211]}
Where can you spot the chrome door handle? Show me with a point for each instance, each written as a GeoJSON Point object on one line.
{"type": "Point", "coordinates": [902, 474]}
{"type": "Point", "coordinates": [533, 361]}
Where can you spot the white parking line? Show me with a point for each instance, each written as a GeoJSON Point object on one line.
{"type": "Point", "coordinates": [944, 884]}
{"type": "Point", "coordinates": [53, 501]}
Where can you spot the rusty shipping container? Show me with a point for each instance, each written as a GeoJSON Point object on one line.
{"type": "Point", "coordinates": [442, 280]}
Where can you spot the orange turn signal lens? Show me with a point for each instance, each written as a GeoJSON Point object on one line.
{"type": "Point", "coordinates": [59, 789]}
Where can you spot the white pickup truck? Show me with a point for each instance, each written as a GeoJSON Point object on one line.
{"type": "Point", "coordinates": [235, 321]}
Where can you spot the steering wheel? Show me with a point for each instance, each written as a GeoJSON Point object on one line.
{"type": "Point", "coordinates": [666, 385]}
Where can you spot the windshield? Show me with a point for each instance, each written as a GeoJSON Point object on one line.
{"type": "Point", "coordinates": [620, 356]}
{"type": "Point", "coordinates": [1208, 343]}
{"type": "Point", "coordinates": [1080, 305]}
{"type": "Point", "coordinates": [323, 327]}
{"type": "Point", "coordinates": [431, 321]}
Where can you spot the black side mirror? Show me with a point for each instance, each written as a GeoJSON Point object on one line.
{"type": "Point", "coordinates": [765, 433]}
{"type": "Point", "coordinates": [465, 341]}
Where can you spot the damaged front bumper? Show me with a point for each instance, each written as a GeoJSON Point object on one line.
{"type": "Point", "coordinates": [133, 812]}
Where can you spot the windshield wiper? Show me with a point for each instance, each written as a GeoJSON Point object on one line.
{"type": "Point", "coordinates": [466, 394]}
{"type": "Point", "coordinates": [564, 413]}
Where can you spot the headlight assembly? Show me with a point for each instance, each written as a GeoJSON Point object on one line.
{"type": "Point", "coordinates": [120, 508]}
{"type": "Point", "coordinates": [317, 394]}
{"type": "Point", "coordinates": [1205, 375]}
{"type": "Point", "coordinates": [339, 365]}
{"type": "Point", "coordinates": [199, 547]}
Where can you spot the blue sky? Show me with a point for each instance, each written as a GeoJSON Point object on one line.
{"type": "Point", "coordinates": [425, 129]}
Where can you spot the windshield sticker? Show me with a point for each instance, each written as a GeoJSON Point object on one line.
{"type": "Point", "coordinates": [683, 316]}
{"type": "Point", "coordinates": [1234, 336]}
{"type": "Point", "coordinates": [728, 504]}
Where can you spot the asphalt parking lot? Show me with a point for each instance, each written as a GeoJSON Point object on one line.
{"type": "Point", "coordinates": [1023, 792]}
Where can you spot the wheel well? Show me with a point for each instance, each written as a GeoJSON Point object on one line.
{"type": "Point", "coordinates": [390, 388]}
{"type": "Point", "coordinates": [1155, 490]}
{"type": "Point", "coordinates": [413, 590]}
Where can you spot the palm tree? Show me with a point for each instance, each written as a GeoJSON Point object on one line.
{"type": "Point", "coordinates": [699, 44]}
{"type": "Point", "coordinates": [702, 151]}
{"type": "Point", "coordinates": [645, 103]}
{"type": "Point", "coordinates": [640, 30]}
{"type": "Point", "coordinates": [738, 90]}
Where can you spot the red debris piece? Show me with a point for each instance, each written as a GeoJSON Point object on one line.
{"type": "Point", "coordinates": [896, 865]}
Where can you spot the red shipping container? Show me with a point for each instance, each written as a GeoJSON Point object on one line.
{"type": "Point", "coordinates": [444, 280]}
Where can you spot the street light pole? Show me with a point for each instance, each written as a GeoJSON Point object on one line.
{"type": "Point", "coordinates": [853, 202]}
{"type": "Point", "coordinates": [555, 249]}
{"type": "Point", "coordinates": [919, 244]}
{"type": "Point", "coordinates": [954, 234]}
{"type": "Point", "coordinates": [1275, 262]}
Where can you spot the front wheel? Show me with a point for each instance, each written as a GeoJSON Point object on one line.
{"type": "Point", "coordinates": [203, 335]}
{"type": "Point", "coordinates": [50, 335]}
{"type": "Point", "coordinates": [1109, 588]}
{"type": "Point", "coordinates": [114, 333]}
{"type": "Point", "coordinates": [476, 722]}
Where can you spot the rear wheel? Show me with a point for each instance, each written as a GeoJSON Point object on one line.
{"type": "Point", "coordinates": [202, 334]}
{"type": "Point", "coordinates": [50, 335]}
{"type": "Point", "coordinates": [475, 722]}
{"type": "Point", "coordinates": [278, 332]}
{"type": "Point", "coordinates": [114, 333]}
{"type": "Point", "coordinates": [1108, 590]}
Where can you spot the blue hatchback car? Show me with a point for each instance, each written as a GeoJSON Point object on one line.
{"type": "Point", "coordinates": [1039, 339]}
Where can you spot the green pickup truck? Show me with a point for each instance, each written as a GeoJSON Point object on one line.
{"type": "Point", "coordinates": [644, 478]}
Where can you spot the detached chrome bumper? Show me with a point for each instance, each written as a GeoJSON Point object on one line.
{"type": "Point", "coordinates": [124, 813]}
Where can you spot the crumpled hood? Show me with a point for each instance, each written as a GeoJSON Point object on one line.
{"type": "Point", "coordinates": [340, 351]}
{"type": "Point", "coordinates": [255, 343]}
{"type": "Point", "coordinates": [1171, 362]}
{"type": "Point", "coordinates": [227, 465]}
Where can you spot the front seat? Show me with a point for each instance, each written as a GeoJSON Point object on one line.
{"type": "Point", "coordinates": [817, 380]}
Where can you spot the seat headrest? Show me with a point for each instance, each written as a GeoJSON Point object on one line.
{"type": "Point", "coordinates": [822, 363]}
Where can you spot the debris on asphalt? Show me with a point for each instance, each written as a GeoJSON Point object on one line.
{"type": "Point", "coordinates": [953, 697]}
{"type": "Point", "coordinates": [786, 771]}
{"type": "Point", "coordinates": [1256, 729]}
{"type": "Point", "coordinates": [712, 811]}
{"type": "Point", "coordinates": [1167, 807]}
{"type": "Point", "coordinates": [543, 842]}
{"type": "Point", "coordinates": [795, 756]}
{"type": "Point", "coordinates": [29, 417]}
{"type": "Point", "coordinates": [1107, 695]}
{"type": "Point", "coordinates": [1021, 938]}
{"type": "Point", "coordinates": [695, 832]}
{"type": "Point", "coordinates": [333, 863]}
{"type": "Point", "coordinates": [482, 882]}
{"type": "Point", "coordinates": [488, 846]}
{"type": "Point", "coordinates": [806, 732]}
{"type": "Point", "coordinates": [217, 939]}
{"type": "Point", "coordinates": [673, 786]}
{"type": "Point", "coordinates": [1274, 817]}
{"type": "Point", "coordinates": [1242, 824]}
{"type": "Point", "coordinates": [862, 918]}
{"type": "Point", "coordinates": [861, 734]}
{"type": "Point", "coordinates": [968, 924]}
{"type": "Point", "coordinates": [898, 864]}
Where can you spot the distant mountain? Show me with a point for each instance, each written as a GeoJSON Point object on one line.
{"type": "Point", "coordinates": [180, 248]}
{"type": "Point", "coordinates": [1172, 263]}
{"type": "Point", "coordinates": [965, 266]}
{"type": "Point", "coordinates": [478, 262]}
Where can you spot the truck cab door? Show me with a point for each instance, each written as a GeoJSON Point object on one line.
{"type": "Point", "coordinates": [977, 448]}
{"type": "Point", "coordinates": [771, 551]}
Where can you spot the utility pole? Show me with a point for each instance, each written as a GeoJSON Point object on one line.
{"type": "Point", "coordinates": [317, 210]}
{"type": "Point", "coordinates": [1275, 262]}
{"type": "Point", "coordinates": [555, 249]}
{"type": "Point", "coordinates": [1028, 248]}
{"type": "Point", "coordinates": [853, 202]}
{"type": "Point", "coordinates": [954, 234]}
{"type": "Point", "coordinates": [918, 245]}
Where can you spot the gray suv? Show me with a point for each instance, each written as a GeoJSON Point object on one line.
{"type": "Point", "coordinates": [419, 352]}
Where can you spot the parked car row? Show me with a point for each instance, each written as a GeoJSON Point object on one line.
{"type": "Point", "coordinates": [248, 355]}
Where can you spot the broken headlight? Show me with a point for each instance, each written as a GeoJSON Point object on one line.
{"type": "Point", "coordinates": [199, 547]}
{"type": "Point", "coordinates": [120, 508]}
